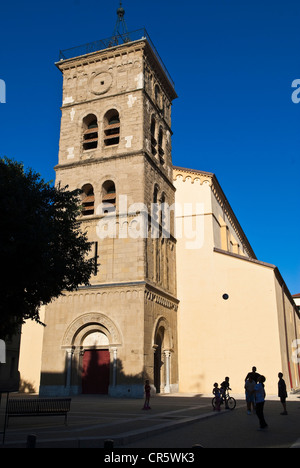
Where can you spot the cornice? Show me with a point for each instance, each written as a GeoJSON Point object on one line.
{"type": "Point", "coordinates": [123, 49]}
{"type": "Point", "coordinates": [246, 259]}
{"type": "Point", "coordinates": [100, 55]}
{"type": "Point", "coordinates": [192, 174]}
{"type": "Point", "coordinates": [101, 98]}
{"type": "Point", "coordinates": [151, 58]}
{"type": "Point", "coordinates": [103, 160]}
{"type": "Point", "coordinates": [151, 292]}
{"type": "Point", "coordinates": [154, 294]}
{"type": "Point", "coordinates": [211, 179]}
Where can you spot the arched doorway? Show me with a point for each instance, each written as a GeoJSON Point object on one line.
{"type": "Point", "coordinates": [95, 364]}
{"type": "Point", "coordinates": [91, 343]}
{"type": "Point", "coordinates": [162, 347]}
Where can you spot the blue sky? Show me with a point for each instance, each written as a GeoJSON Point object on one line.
{"type": "Point", "coordinates": [233, 63]}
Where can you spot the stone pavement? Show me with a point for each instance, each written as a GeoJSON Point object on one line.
{"type": "Point", "coordinates": [174, 421]}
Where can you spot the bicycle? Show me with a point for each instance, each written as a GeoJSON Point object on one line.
{"type": "Point", "coordinates": [230, 402]}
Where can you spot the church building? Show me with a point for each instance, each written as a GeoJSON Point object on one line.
{"type": "Point", "coordinates": [177, 295]}
{"type": "Point", "coordinates": [115, 145]}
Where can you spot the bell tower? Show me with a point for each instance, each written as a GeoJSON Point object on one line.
{"type": "Point", "coordinates": [115, 145]}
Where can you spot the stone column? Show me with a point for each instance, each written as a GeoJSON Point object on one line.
{"type": "Point", "coordinates": [70, 353]}
{"type": "Point", "coordinates": [168, 368]}
{"type": "Point", "coordinates": [115, 354]}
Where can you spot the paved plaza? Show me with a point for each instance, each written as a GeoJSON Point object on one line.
{"type": "Point", "coordinates": [177, 421]}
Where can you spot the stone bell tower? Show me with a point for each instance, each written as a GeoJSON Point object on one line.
{"type": "Point", "coordinates": [115, 145]}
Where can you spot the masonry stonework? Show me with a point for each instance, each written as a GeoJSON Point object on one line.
{"type": "Point", "coordinates": [235, 312]}
{"type": "Point", "coordinates": [130, 308]}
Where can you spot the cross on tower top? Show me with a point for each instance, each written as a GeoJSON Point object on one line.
{"type": "Point", "coordinates": [120, 27]}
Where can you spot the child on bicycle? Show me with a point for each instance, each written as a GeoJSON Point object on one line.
{"type": "Point", "coordinates": [225, 386]}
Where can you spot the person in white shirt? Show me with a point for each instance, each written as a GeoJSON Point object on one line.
{"type": "Point", "coordinates": [250, 394]}
{"type": "Point", "coordinates": [260, 397]}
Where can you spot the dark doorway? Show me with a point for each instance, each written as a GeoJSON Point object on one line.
{"type": "Point", "coordinates": [95, 372]}
{"type": "Point", "coordinates": [158, 364]}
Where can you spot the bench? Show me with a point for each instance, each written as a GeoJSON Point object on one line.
{"type": "Point", "coordinates": [38, 407]}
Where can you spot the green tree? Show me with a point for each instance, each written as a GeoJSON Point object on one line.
{"type": "Point", "coordinates": [43, 251]}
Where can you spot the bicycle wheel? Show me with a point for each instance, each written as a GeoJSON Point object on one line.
{"type": "Point", "coordinates": [231, 403]}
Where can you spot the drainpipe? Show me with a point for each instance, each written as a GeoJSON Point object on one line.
{"type": "Point", "coordinates": [286, 338]}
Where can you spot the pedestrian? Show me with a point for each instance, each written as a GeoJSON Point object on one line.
{"type": "Point", "coordinates": [217, 394]}
{"type": "Point", "coordinates": [254, 374]}
{"type": "Point", "coordinates": [250, 395]}
{"type": "Point", "coordinates": [260, 397]}
{"type": "Point", "coordinates": [147, 395]}
{"type": "Point", "coordinates": [282, 393]}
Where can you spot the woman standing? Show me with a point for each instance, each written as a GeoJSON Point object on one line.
{"type": "Point", "coordinates": [282, 393]}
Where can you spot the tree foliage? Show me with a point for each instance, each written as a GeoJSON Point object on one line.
{"type": "Point", "coordinates": [43, 251]}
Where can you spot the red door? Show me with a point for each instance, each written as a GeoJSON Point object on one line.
{"type": "Point", "coordinates": [95, 371]}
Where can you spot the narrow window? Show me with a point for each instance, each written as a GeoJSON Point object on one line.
{"type": "Point", "coordinates": [96, 256]}
{"type": "Point", "coordinates": [163, 210]}
{"type": "Point", "coordinates": [90, 132]}
{"type": "Point", "coordinates": [112, 128]}
{"type": "Point", "coordinates": [153, 139]}
{"type": "Point", "coordinates": [88, 200]}
{"type": "Point", "coordinates": [109, 197]}
{"type": "Point", "coordinates": [155, 194]}
{"type": "Point", "coordinates": [155, 206]}
{"type": "Point", "coordinates": [160, 146]}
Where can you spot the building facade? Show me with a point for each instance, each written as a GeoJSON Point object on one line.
{"type": "Point", "coordinates": [242, 312]}
{"type": "Point", "coordinates": [115, 146]}
{"type": "Point", "coordinates": [177, 296]}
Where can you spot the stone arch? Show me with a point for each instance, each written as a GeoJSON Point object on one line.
{"type": "Point", "coordinates": [162, 326]}
{"type": "Point", "coordinates": [88, 323]}
{"type": "Point", "coordinates": [91, 343]}
{"type": "Point", "coordinates": [162, 344]}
